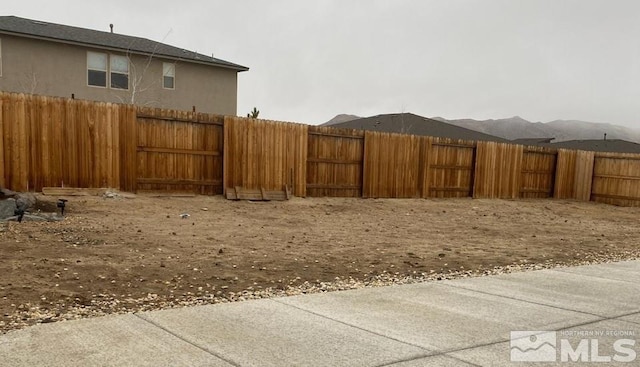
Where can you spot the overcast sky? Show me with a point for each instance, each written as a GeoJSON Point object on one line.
{"type": "Point", "coordinates": [310, 60]}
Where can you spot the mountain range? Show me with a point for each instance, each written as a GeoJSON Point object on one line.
{"type": "Point", "coordinates": [519, 128]}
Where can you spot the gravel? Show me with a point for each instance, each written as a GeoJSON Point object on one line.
{"type": "Point", "coordinates": [105, 304]}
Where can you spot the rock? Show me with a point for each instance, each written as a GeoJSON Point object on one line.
{"type": "Point", "coordinates": [25, 200]}
{"type": "Point", "coordinates": [6, 193]}
{"type": "Point", "coordinates": [7, 208]}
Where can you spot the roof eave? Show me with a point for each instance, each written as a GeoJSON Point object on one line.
{"type": "Point", "coordinates": [238, 68]}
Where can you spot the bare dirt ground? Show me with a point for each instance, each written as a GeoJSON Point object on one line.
{"type": "Point", "coordinates": [124, 255]}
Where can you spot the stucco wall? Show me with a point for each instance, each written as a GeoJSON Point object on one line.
{"type": "Point", "coordinates": [56, 69]}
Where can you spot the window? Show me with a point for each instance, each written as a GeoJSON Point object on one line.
{"type": "Point", "coordinates": [168, 75]}
{"type": "Point", "coordinates": [119, 72]}
{"type": "Point", "coordinates": [0, 57]}
{"type": "Point", "coordinates": [99, 65]}
{"type": "Point", "coordinates": [97, 69]}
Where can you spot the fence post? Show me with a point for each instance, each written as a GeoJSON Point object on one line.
{"type": "Point", "coordinates": [555, 172]}
{"type": "Point", "coordinates": [362, 166]}
{"type": "Point", "coordinates": [593, 178]}
{"type": "Point", "coordinates": [420, 189]}
{"type": "Point", "coordinates": [2, 172]}
{"type": "Point", "coordinates": [227, 157]}
{"type": "Point", "coordinates": [426, 175]}
{"type": "Point", "coordinates": [128, 148]}
{"type": "Point", "coordinates": [474, 167]}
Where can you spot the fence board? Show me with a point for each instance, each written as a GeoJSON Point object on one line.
{"type": "Point", "coordinates": [334, 162]}
{"type": "Point", "coordinates": [584, 175]}
{"type": "Point", "coordinates": [16, 143]}
{"type": "Point", "coordinates": [265, 154]}
{"type": "Point", "coordinates": [564, 186]}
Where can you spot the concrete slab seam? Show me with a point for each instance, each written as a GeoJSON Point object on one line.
{"type": "Point", "coordinates": [204, 349]}
{"type": "Point", "coordinates": [428, 356]}
{"type": "Point", "coordinates": [631, 322]}
{"type": "Point", "coordinates": [355, 327]}
{"type": "Point", "coordinates": [446, 352]}
{"type": "Point", "coordinates": [530, 302]}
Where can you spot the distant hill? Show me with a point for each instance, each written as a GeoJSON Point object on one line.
{"type": "Point", "coordinates": [562, 130]}
{"type": "Point", "coordinates": [340, 119]}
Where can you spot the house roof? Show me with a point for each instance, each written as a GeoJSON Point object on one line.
{"type": "Point", "coordinates": [609, 145]}
{"type": "Point", "coordinates": [532, 141]}
{"type": "Point", "coordinates": [408, 123]}
{"type": "Point", "coordinates": [106, 40]}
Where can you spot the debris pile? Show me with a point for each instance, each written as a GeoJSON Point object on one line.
{"type": "Point", "coordinates": [19, 206]}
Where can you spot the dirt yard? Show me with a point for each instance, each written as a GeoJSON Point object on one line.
{"type": "Point", "coordinates": [123, 255]}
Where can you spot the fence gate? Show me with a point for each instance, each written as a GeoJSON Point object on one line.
{"type": "Point", "coordinates": [538, 172]}
{"type": "Point", "coordinates": [179, 152]}
{"type": "Point", "coordinates": [451, 165]}
{"type": "Point", "coordinates": [334, 162]}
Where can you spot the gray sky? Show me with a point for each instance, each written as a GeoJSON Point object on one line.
{"type": "Point", "coordinates": [310, 60]}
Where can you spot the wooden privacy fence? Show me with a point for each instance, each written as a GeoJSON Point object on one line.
{"type": "Point", "coordinates": [179, 151]}
{"type": "Point", "coordinates": [392, 165]}
{"type": "Point", "coordinates": [265, 154]}
{"type": "Point", "coordinates": [498, 170]}
{"type": "Point", "coordinates": [49, 141]}
{"type": "Point", "coordinates": [616, 179]}
{"type": "Point", "coordinates": [61, 142]}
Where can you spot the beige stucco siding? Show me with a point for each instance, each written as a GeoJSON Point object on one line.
{"type": "Point", "coordinates": [57, 69]}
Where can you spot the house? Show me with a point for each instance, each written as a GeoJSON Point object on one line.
{"type": "Point", "coordinates": [599, 145]}
{"type": "Point", "coordinates": [59, 60]}
{"type": "Point", "coordinates": [594, 145]}
{"type": "Point", "coordinates": [409, 123]}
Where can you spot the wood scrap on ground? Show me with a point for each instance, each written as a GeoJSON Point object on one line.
{"type": "Point", "coordinates": [165, 194]}
{"type": "Point", "coordinates": [85, 191]}
{"type": "Point", "coordinates": [240, 193]}
{"type": "Point", "coordinates": [73, 191]}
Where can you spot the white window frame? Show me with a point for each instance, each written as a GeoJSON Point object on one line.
{"type": "Point", "coordinates": [0, 57]}
{"type": "Point", "coordinates": [106, 70]}
{"type": "Point", "coordinates": [172, 66]}
{"type": "Point", "coordinates": [111, 71]}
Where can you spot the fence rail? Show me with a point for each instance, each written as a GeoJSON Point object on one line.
{"type": "Point", "coordinates": [48, 141]}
